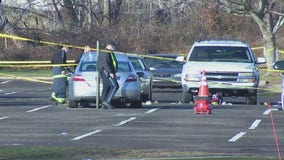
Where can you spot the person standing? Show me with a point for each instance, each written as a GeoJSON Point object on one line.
{"type": "Point", "coordinates": [107, 67]}
{"type": "Point", "coordinates": [59, 72]}
{"type": "Point", "coordinates": [87, 50]}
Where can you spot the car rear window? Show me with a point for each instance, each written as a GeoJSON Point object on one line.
{"type": "Point", "coordinates": [220, 54]}
{"type": "Point", "coordinates": [88, 66]}
{"type": "Point", "coordinates": [91, 66]}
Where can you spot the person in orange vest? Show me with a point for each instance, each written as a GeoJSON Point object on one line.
{"type": "Point", "coordinates": [107, 67]}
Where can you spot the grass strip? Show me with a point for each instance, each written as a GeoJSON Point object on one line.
{"type": "Point", "coordinates": [75, 153]}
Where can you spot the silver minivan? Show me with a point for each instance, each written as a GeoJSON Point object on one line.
{"type": "Point", "coordinates": [83, 83]}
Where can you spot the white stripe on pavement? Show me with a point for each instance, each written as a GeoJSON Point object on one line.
{"type": "Point", "coordinates": [36, 109]}
{"type": "Point", "coordinates": [9, 93]}
{"type": "Point", "coordinates": [124, 122]}
{"type": "Point", "coordinates": [267, 112]}
{"type": "Point", "coordinates": [236, 137]}
{"type": "Point", "coordinates": [86, 135]}
{"type": "Point", "coordinates": [255, 124]}
{"type": "Point", "coordinates": [5, 82]}
{"type": "Point", "coordinates": [1, 118]}
{"type": "Point", "coordinates": [152, 110]}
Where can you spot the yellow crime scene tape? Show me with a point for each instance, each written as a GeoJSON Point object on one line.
{"type": "Point", "coordinates": [23, 64]}
{"type": "Point", "coordinates": [25, 78]}
{"type": "Point", "coordinates": [30, 62]}
{"type": "Point", "coordinates": [34, 65]}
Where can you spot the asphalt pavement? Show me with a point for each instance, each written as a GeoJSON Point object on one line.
{"type": "Point", "coordinates": [28, 118]}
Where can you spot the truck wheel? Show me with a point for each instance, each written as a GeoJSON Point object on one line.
{"type": "Point", "coordinates": [187, 97]}
{"type": "Point", "coordinates": [73, 104]}
{"type": "Point", "coordinates": [136, 104]}
{"type": "Point", "coordinates": [251, 98]}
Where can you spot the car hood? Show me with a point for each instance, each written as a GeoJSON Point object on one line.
{"type": "Point", "coordinates": [167, 70]}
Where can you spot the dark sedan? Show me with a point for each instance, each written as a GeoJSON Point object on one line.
{"type": "Point", "coordinates": [166, 69]}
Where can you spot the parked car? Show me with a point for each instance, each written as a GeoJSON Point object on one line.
{"type": "Point", "coordinates": [166, 69]}
{"type": "Point", "coordinates": [278, 65]}
{"type": "Point", "coordinates": [83, 88]}
{"type": "Point", "coordinates": [145, 77]}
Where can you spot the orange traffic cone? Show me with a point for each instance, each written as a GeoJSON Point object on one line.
{"type": "Point", "coordinates": [203, 90]}
{"type": "Point", "coordinates": [202, 100]}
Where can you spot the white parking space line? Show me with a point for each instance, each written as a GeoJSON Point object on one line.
{"type": "Point", "coordinates": [86, 135]}
{"type": "Point", "coordinates": [255, 124]}
{"type": "Point", "coordinates": [267, 112]}
{"type": "Point", "coordinates": [36, 109]}
{"type": "Point", "coordinates": [5, 82]}
{"type": "Point", "coordinates": [1, 118]}
{"type": "Point", "coordinates": [10, 93]}
{"type": "Point", "coordinates": [152, 110]}
{"type": "Point", "coordinates": [124, 122]}
{"type": "Point", "coordinates": [237, 136]}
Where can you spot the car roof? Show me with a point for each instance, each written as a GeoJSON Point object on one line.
{"type": "Point", "coordinates": [236, 43]}
{"type": "Point", "coordinates": [134, 56]}
{"type": "Point", "coordinates": [119, 56]}
{"type": "Point", "coordinates": [169, 55]}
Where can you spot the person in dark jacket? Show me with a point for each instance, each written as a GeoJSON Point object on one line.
{"type": "Point", "coordinates": [60, 82]}
{"type": "Point", "coordinates": [107, 67]}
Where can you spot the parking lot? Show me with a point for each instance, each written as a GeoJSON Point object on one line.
{"type": "Point", "coordinates": [28, 118]}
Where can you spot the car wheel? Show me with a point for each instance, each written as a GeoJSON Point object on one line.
{"type": "Point", "coordinates": [187, 97]}
{"type": "Point", "coordinates": [148, 96]}
{"type": "Point", "coordinates": [136, 104]}
{"type": "Point", "coordinates": [73, 104]}
{"type": "Point", "coordinates": [251, 98]}
{"type": "Point", "coordinates": [144, 97]}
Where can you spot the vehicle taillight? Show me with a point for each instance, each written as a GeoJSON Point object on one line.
{"type": "Point", "coordinates": [131, 78]}
{"type": "Point", "coordinates": [78, 78]}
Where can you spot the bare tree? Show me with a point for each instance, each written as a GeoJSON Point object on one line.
{"type": "Point", "coordinates": [8, 28]}
{"type": "Point", "coordinates": [269, 16]}
{"type": "Point", "coordinates": [111, 11]}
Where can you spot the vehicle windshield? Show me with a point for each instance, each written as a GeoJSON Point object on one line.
{"type": "Point", "coordinates": [220, 54]}
{"type": "Point", "coordinates": [168, 62]}
{"type": "Point", "coordinates": [91, 66]}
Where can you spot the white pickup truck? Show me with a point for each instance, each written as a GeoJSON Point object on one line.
{"type": "Point", "coordinates": [230, 68]}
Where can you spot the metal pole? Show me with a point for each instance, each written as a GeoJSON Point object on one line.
{"type": "Point", "coordinates": [98, 79]}
{"type": "Point", "coordinates": [151, 6]}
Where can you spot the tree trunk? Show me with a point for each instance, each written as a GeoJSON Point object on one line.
{"type": "Point", "coordinates": [269, 42]}
{"type": "Point", "coordinates": [70, 14]}
{"type": "Point", "coordinates": [87, 23]}
{"type": "Point", "coordinates": [106, 12]}
{"type": "Point", "coordinates": [269, 50]}
{"type": "Point", "coordinates": [8, 29]}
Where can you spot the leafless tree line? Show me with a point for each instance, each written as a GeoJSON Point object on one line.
{"type": "Point", "coordinates": [162, 25]}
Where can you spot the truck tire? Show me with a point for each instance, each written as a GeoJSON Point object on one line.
{"type": "Point", "coordinates": [251, 98]}
{"type": "Point", "coordinates": [187, 97]}
{"type": "Point", "coordinates": [136, 104]}
{"type": "Point", "coordinates": [73, 104]}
